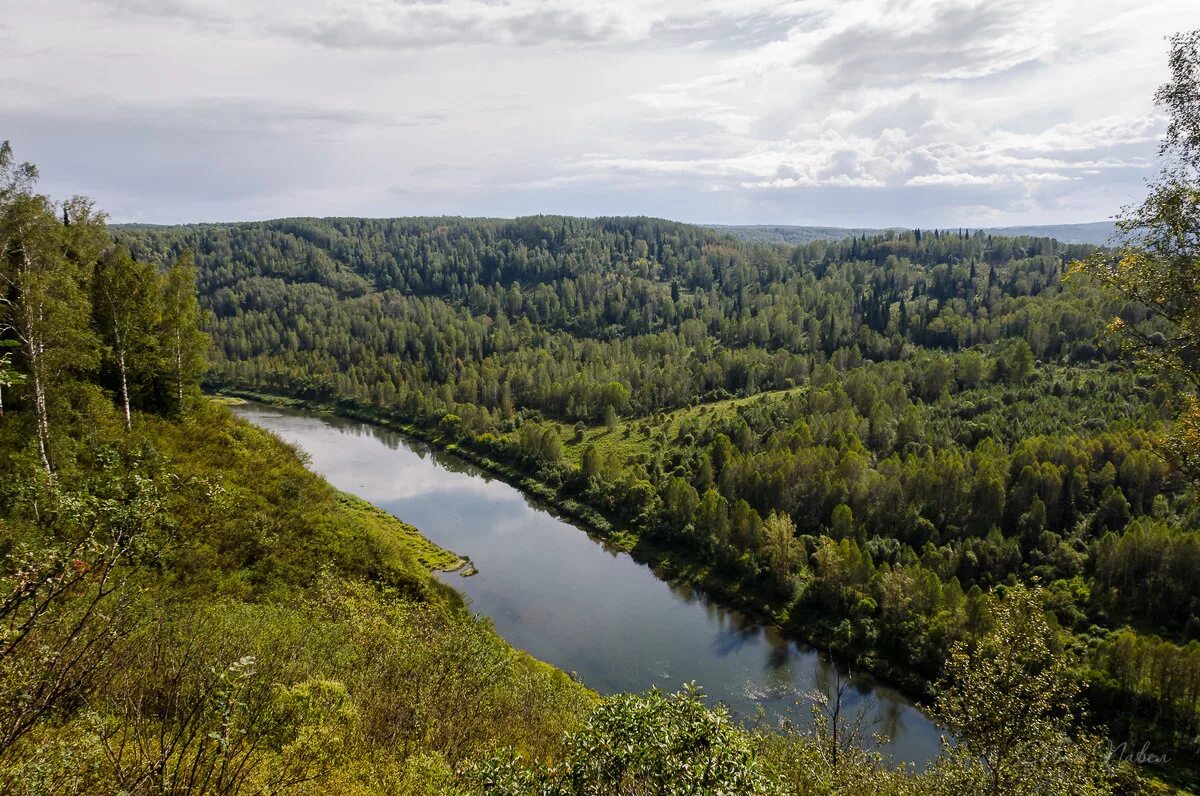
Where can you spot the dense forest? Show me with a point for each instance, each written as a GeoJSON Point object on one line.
{"type": "Point", "coordinates": [1098, 233]}
{"type": "Point", "coordinates": [863, 439]}
{"type": "Point", "coordinates": [186, 609]}
{"type": "Point", "coordinates": [868, 435]}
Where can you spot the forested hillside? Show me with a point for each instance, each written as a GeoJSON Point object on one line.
{"type": "Point", "coordinates": [186, 609]}
{"type": "Point", "coordinates": [966, 461]}
{"type": "Point", "coordinates": [931, 415]}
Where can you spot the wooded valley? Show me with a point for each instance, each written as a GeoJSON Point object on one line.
{"type": "Point", "coordinates": [964, 461]}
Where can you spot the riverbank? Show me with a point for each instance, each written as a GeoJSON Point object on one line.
{"type": "Point", "coordinates": [555, 592]}
{"type": "Point", "coordinates": [672, 565]}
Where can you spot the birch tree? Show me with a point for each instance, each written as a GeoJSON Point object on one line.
{"type": "Point", "coordinates": [1157, 268]}
{"type": "Point", "coordinates": [44, 266]}
{"type": "Point", "coordinates": [183, 342]}
{"type": "Point", "coordinates": [125, 303]}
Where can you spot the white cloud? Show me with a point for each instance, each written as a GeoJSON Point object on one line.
{"type": "Point", "coordinates": [805, 111]}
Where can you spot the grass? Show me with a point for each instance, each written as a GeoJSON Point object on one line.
{"type": "Point", "coordinates": [226, 400]}
{"type": "Point", "coordinates": [628, 439]}
{"type": "Point", "coordinates": [400, 536]}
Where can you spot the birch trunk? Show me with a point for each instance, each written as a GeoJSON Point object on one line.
{"type": "Point", "coordinates": [124, 389]}
{"type": "Point", "coordinates": [35, 349]}
{"type": "Point", "coordinates": [179, 367]}
{"type": "Point", "coordinates": [43, 420]}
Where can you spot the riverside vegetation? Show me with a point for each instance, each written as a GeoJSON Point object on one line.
{"type": "Point", "coordinates": [918, 448]}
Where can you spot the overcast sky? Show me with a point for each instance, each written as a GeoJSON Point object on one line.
{"type": "Point", "coordinates": [839, 112]}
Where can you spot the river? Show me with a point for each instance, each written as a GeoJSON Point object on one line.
{"type": "Point", "coordinates": [562, 596]}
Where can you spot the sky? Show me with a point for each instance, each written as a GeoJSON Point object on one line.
{"type": "Point", "coordinates": [828, 112]}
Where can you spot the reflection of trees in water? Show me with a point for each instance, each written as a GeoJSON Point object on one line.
{"type": "Point", "coordinates": [781, 666]}
{"type": "Point", "coordinates": [865, 701]}
{"type": "Point", "coordinates": [684, 592]}
{"type": "Point", "coordinates": [891, 716]}
{"type": "Point", "coordinates": [779, 651]}
{"type": "Point", "coordinates": [390, 439]}
{"type": "Point", "coordinates": [395, 440]}
{"type": "Point", "coordinates": [734, 631]}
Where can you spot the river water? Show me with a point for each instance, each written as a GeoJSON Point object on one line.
{"type": "Point", "coordinates": [553, 591]}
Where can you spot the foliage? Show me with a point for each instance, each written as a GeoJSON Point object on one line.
{"type": "Point", "coordinates": [668, 744]}
{"type": "Point", "coordinates": [665, 744]}
{"type": "Point", "coordinates": [1156, 269]}
{"type": "Point", "coordinates": [184, 607]}
{"type": "Point", "coordinates": [1010, 699]}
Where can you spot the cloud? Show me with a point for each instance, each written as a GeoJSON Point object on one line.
{"type": "Point", "coordinates": [927, 154]}
{"type": "Point", "coordinates": [411, 25]}
{"type": "Point", "coordinates": [235, 115]}
{"type": "Point", "coordinates": [191, 11]}
{"type": "Point", "coordinates": [818, 108]}
{"type": "Point", "coordinates": [871, 112]}
{"type": "Point", "coordinates": [418, 24]}
{"type": "Point", "coordinates": [899, 42]}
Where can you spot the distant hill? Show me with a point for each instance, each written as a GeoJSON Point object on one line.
{"type": "Point", "coordinates": [1096, 233]}
{"type": "Point", "coordinates": [774, 233]}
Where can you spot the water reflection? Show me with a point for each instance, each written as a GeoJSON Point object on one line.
{"type": "Point", "coordinates": [585, 608]}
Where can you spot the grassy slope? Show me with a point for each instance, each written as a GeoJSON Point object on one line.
{"type": "Point", "coordinates": [264, 558]}
{"type": "Point", "coordinates": [407, 539]}
{"type": "Point", "coordinates": [629, 438]}
{"type": "Point", "coordinates": [404, 541]}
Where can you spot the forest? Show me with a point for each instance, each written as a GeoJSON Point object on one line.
{"type": "Point", "coordinates": [861, 439]}
{"type": "Point", "coordinates": [865, 440]}
{"type": "Point", "coordinates": [187, 609]}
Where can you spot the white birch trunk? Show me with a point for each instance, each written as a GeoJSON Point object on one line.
{"type": "Point", "coordinates": [124, 387]}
